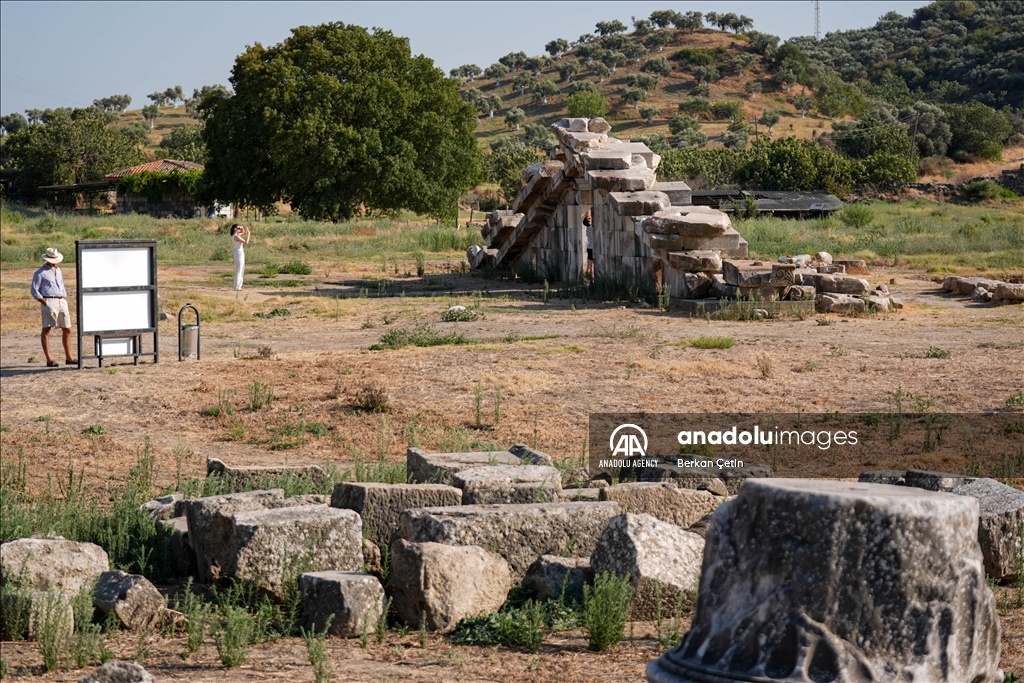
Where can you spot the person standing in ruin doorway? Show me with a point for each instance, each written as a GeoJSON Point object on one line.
{"type": "Point", "coordinates": [48, 289]}
{"type": "Point", "coordinates": [240, 235]}
{"type": "Point", "coordinates": [588, 224]}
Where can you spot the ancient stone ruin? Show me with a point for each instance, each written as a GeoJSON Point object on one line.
{"type": "Point", "coordinates": [833, 581]}
{"type": "Point", "coordinates": [799, 580]}
{"type": "Point", "coordinates": [648, 231]}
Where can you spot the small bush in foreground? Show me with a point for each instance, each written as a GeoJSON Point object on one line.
{"type": "Point", "coordinates": [233, 636]}
{"type": "Point", "coordinates": [605, 606]}
{"type": "Point", "coordinates": [422, 335]}
{"type": "Point", "coordinates": [856, 216]}
{"type": "Point", "coordinates": [986, 189]}
{"type": "Point", "coordinates": [523, 627]}
{"type": "Point", "coordinates": [296, 267]}
{"type": "Point", "coordinates": [706, 342]}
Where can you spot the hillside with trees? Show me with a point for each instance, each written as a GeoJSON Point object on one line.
{"type": "Point", "coordinates": [710, 93]}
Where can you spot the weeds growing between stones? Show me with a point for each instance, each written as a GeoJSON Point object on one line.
{"type": "Point", "coordinates": [605, 606]}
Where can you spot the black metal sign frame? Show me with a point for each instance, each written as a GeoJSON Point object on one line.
{"type": "Point", "coordinates": [136, 333]}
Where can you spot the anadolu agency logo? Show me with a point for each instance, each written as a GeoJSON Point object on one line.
{"type": "Point", "coordinates": [628, 444]}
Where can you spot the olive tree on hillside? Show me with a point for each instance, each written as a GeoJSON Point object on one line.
{"type": "Point", "coordinates": [335, 120]}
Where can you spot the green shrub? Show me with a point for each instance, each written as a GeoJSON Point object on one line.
{"type": "Point", "coordinates": [423, 334]}
{"type": "Point", "coordinates": [936, 352]}
{"type": "Point", "coordinates": [986, 189]}
{"type": "Point", "coordinates": [316, 648]}
{"type": "Point", "coordinates": [456, 314]}
{"type": "Point", "coordinates": [605, 607]}
{"type": "Point", "coordinates": [856, 216]}
{"type": "Point", "coordinates": [523, 627]}
{"type": "Point", "coordinates": [53, 627]}
{"type": "Point", "coordinates": [707, 342]}
{"type": "Point", "coordinates": [233, 636]}
{"type": "Point", "coordinates": [296, 267]}
{"type": "Point", "coordinates": [261, 394]}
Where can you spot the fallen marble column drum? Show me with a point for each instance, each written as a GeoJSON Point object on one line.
{"type": "Point", "coordinates": [810, 581]}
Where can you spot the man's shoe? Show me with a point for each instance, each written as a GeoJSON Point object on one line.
{"type": "Point", "coordinates": [52, 364]}
{"type": "Point", "coordinates": [71, 361]}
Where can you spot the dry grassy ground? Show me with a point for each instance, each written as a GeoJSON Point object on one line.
{"type": "Point", "coordinates": [554, 363]}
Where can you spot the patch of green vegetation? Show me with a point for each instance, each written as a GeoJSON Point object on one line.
{"type": "Point", "coordinates": [275, 313]}
{"type": "Point", "coordinates": [422, 334]}
{"type": "Point", "coordinates": [713, 342]}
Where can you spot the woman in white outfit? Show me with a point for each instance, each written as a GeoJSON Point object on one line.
{"type": "Point", "coordinates": [239, 237]}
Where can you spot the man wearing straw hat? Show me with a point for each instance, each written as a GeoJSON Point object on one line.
{"type": "Point", "coordinates": [48, 290]}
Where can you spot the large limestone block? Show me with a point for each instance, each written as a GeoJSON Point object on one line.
{"type": "Point", "coordinates": [1004, 291]}
{"type": "Point", "coordinates": [574, 124]}
{"type": "Point", "coordinates": [606, 159]}
{"type": "Point", "coordinates": [843, 304]}
{"type": "Point", "coordinates": [255, 476]}
{"type": "Point", "coordinates": [268, 542]}
{"type": "Point", "coordinates": [936, 481]}
{"type": "Point", "coordinates": [698, 261]}
{"type": "Point", "coordinates": [488, 476]}
{"type": "Point", "coordinates": [783, 275]}
{"type": "Point", "coordinates": [136, 602]}
{"type": "Point", "coordinates": [210, 528]}
{"type": "Point", "coordinates": [703, 478]}
{"type": "Point", "coordinates": [746, 273]}
{"type": "Point", "coordinates": [351, 601]}
{"type": "Point", "coordinates": [854, 266]}
{"type": "Point", "coordinates": [52, 564]}
{"type": "Point", "coordinates": [445, 583]}
{"type": "Point", "coordinates": [638, 203]}
{"type": "Point", "coordinates": [117, 671]}
{"type": "Point", "coordinates": [165, 507]}
{"type": "Point", "coordinates": [441, 467]}
{"type": "Point", "coordinates": [581, 141]}
{"type": "Point", "coordinates": [729, 244]}
{"type": "Point", "coordinates": [551, 576]}
{"type": "Point", "coordinates": [631, 180]}
{"type": "Point", "coordinates": [599, 125]}
{"type": "Point", "coordinates": [678, 192]}
{"type": "Point", "coordinates": [811, 580]}
{"type": "Point", "coordinates": [513, 494]}
{"type": "Point", "coordinates": [1001, 527]}
{"type": "Point", "coordinates": [680, 506]}
{"type": "Point", "coordinates": [662, 561]}
{"type": "Point", "coordinates": [680, 220]}
{"type": "Point", "coordinates": [841, 284]}
{"type": "Point", "coordinates": [519, 533]}
{"type": "Point", "coordinates": [379, 505]}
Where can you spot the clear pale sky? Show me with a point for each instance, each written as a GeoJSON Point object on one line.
{"type": "Point", "coordinates": [56, 54]}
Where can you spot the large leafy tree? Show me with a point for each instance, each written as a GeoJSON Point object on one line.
{"type": "Point", "coordinates": [336, 120]}
{"type": "Point", "coordinates": [185, 143]}
{"type": "Point", "coordinates": [976, 130]}
{"type": "Point", "coordinates": [71, 146]}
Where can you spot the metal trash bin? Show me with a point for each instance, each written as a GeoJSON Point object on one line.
{"type": "Point", "coordinates": [188, 336]}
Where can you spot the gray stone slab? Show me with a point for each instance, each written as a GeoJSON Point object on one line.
{"type": "Point", "coordinates": [638, 203]}
{"type": "Point", "coordinates": [211, 526]}
{"type": "Point", "coordinates": [1001, 525]}
{"type": "Point", "coordinates": [346, 604]}
{"type": "Point", "coordinates": [682, 507]}
{"type": "Point", "coordinates": [266, 543]}
{"type": "Point", "coordinates": [52, 564]}
{"type": "Point", "coordinates": [380, 505]}
{"type": "Point", "coordinates": [519, 533]}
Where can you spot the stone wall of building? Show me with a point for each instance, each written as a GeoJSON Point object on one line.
{"type": "Point", "coordinates": [174, 205]}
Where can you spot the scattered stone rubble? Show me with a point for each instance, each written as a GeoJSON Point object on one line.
{"type": "Point", "coordinates": [984, 290]}
{"type": "Point", "coordinates": [643, 228]}
{"type": "Point", "coordinates": [769, 556]}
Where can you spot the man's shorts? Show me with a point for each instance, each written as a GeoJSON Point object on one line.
{"type": "Point", "coordinates": [55, 313]}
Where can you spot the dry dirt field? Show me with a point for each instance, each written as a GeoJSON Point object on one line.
{"type": "Point", "coordinates": [554, 363]}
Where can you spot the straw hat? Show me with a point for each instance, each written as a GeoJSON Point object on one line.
{"type": "Point", "coordinates": [53, 256]}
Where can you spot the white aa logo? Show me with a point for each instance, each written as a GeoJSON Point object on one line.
{"type": "Point", "coordinates": [628, 444]}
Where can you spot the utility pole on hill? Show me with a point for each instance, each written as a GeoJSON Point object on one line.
{"type": "Point", "coordinates": [817, 19]}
